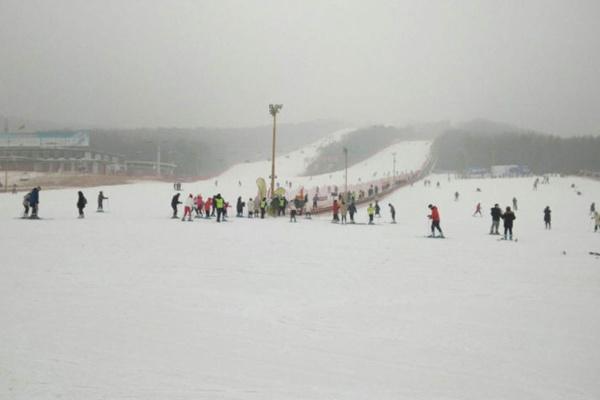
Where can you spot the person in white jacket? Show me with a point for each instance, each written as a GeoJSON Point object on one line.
{"type": "Point", "coordinates": [188, 205]}
{"type": "Point", "coordinates": [250, 208]}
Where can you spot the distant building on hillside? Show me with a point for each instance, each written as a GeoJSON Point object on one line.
{"type": "Point", "coordinates": [68, 152]}
{"type": "Point", "coordinates": [499, 171]}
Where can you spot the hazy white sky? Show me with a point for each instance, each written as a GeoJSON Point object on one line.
{"type": "Point", "coordinates": [125, 63]}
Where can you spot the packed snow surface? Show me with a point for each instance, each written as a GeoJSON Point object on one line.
{"type": "Point", "coordinates": [130, 304]}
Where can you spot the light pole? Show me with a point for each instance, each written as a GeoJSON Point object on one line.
{"type": "Point", "coordinates": [346, 173]}
{"type": "Point", "coordinates": [274, 110]}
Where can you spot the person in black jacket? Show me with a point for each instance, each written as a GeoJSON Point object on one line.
{"type": "Point", "coordinates": [352, 211]}
{"type": "Point", "coordinates": [508, 218]}
{"type": "Point", "coordinates": [496, 214]}
{"type": "Point", "coordinates": [547, 217]}
{"type": "Point", "coordinates": [174, 202]}
{"type": "Point", "coordinates": [81, 202]}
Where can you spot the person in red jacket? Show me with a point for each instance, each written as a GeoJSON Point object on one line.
{"type": "Point", "coordinates": [199, 205]}
{"type": "Point", "coordinates": [336, 211]}
{"type": "Point", "coordinates": [207, 206]}
{"type": "Point", "coordinates": [435, 220]}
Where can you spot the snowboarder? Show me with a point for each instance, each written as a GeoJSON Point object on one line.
{"type": "Point", "coordinates": [187, 207]}
{"type": "Point", "coordinates": [435, 220]}
{"type": "Point", "coordinates": [508, 217]}
{"type": "Point", "coordinates": [547, 217]}
{"type": "Point", "coordinates": [174, 202]}
{"type": "Point", "coordinates": [81, 202]}
{"type": "Point", "coordinates": [514, 201]}
{"type": "Point", "coordinates": [220, 207]}
{"type": "Point", "coordinates": [496, 213]}
{"type": "Point", "coordinates": [478, 210]}
{"type": "Point", "coordinates": [250, 208]}
{"type": "Point", "coordinates": [371, 213]}
{"type": "Point", "coordinates": [352, 211]}
{"type": "Point", "coordinates": [101, 199]}
{"type": "Point", "coordinates": [26, 204]}
{"type": "Point", "coordinates": [393, 212]}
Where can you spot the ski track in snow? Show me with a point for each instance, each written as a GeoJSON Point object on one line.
{"type": "Point", "coordinates": [133, 305]}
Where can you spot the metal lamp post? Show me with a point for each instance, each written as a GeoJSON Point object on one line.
{"type": "Point", "coordinates": [274, 110]}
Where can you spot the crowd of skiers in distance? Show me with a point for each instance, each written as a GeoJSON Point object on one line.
{"type": "Point", "coordinates": [342, 208]}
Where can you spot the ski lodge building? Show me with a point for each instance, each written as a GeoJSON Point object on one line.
{"type": "Point", "coordinates": [68, 152]}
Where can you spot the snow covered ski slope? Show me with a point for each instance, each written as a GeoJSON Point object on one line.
{"type": "Point", "coordinates": [130, 304]}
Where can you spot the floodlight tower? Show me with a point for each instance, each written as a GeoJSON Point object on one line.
{"type": "Point", "coordinates": [274, 110]}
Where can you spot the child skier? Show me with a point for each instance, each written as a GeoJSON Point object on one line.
{"type": "Point", "coordinates": [371, 213]}
{"type": "Point", "coordinates": [435, 220]}
{"type": "Point", "coordinates": [336, 210]}
{"type": "Point", "coordinates": [343, 211]}
{"type": "Point", "coordinates": [352, 211]}
{"type": "Point", "coordinates": [187, 207]}
{"type": "Point", "coordinates": [478, 210]}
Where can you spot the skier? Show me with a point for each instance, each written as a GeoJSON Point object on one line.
{"type": "Point", "coordinates": [508, 218]}
{"type": "Point", "coordinates": [174, 202]}
{"type": "Point", "coordinates": [263, 207]}
{"type": "Point", "coordinates": [496, 213]}
{"type": "Point", "coordinates": [352, 211]}
{"type": "Point", "coordinates": [377, 209]}
{"type": "Point", "coordinates": [220, 207]}
{"type": "Point", "coordinates": [596, 218]}
{"type": "Point", "coordinates": [292, 212]}
{"type": "Point", "coordinates": [336, 210]}
{"type": "Point", "coordinates": [187, 207]}
{"type": "Point", "coordinates": [239, 207]}
{"type": "Point", "coordinates": [81, 202]}
{"type": "Point", "coordinates": [547, 217]}
{"type": "Point", "coordinates": [250, 208]}
{"type": "Point", "coordinates": [199, 205]}
{"type": "Point", "coordinates": [101, 199]}
{"type": "Point", "coordinates": [435, 220]}
{"type": "Point", "coordinates": [478, 210]}
{"type": "Point", "coordinates": [514, 201]}
{"type": "Point", "coordinates": [207, 207]}
{"type": "Point", "coordinates": [34, 201]}
{"type": "Point", "coordinates": [26, 204]}
{"type": "Point", "coordinates": [371, 213]}
{"type": "Point", "coordinates": [343, 211]}
{"type": "Point", "coordinates": [393, 212]}
{"type": "Point", "coordinates": [456, 196]}
{"type": "Point", "coordinates": [592, 208]}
